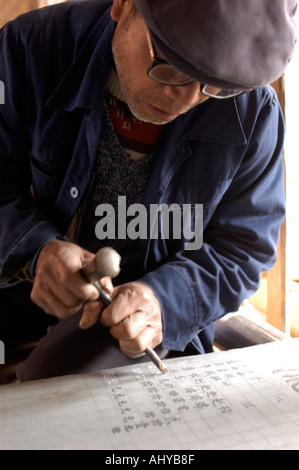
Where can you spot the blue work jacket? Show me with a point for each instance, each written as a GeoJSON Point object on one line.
{"type": "Point", "coordinates": [225, 155]}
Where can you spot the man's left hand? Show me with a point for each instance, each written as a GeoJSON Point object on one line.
{"type": "Point", "coordinates": [134, 317]}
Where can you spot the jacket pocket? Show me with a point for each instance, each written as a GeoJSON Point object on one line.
{"type": "Point", "coordinates": [46, 181]}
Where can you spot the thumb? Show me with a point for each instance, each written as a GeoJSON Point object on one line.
{"type": "Point", "coordinates": [90, 314]}
{"type": "Point", "coordinates": [92, 310]}
{"type": "Point", "coordinates": [106, 283]}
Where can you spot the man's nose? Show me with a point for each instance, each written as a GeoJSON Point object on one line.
{"type": "Point", "coordinates": [185, 95]}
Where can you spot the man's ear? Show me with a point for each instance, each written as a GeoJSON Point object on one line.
{"type": "Point", "coordinates": [118, 7]}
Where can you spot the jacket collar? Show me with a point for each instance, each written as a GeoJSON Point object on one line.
{"type": "Point", "coordinates": [84, 84]}
{"type": "Point", "coordinates": [216, 122]}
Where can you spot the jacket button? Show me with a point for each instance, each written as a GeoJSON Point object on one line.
{"type": "Point", "coordinates": [74, 192]}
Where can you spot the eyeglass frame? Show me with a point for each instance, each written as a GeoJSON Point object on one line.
{"type": "Point", "coordinates": [157, 61]}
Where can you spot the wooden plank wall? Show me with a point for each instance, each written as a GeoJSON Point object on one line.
{"type": "Point", "coordinates": [12, 8]}
{"type": "Point", "coordinates": [277, 314]}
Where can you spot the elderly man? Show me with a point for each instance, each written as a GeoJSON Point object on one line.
{"type": "Point", "coordinates": [139, 105]}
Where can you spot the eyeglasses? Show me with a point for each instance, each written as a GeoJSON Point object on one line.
{"type": "Point", "coordinates": [161, 71]}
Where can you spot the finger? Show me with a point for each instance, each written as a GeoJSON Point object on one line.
{"type": "Point", "coordinates": [91, 314]}
{"type": "Point", "coordinates": [75, 289]}
{"type": "Point", "coordinates": [119, 309]}
{"type": "Point", "coordinates": [106, 283]}
{"type": "Point", "coordinates": [135, 348]}
{"type": "Point", "coordinates": [92, 310]}
{"type": "Point", "coordinates": [126, 300]}
{"type": "Point", "coordinates": [52, 305]}
{"type": "Point", "coordinates": [130, 327]}
{"type": "Point", "coordinates": [46, 286]}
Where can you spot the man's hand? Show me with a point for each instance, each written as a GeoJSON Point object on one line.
{"type": "Point", "coordinates": [134, 317]}
{"type": "Point", "coordinates": [59, 288]}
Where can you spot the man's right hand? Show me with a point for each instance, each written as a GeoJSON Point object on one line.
{"type": "Point", "coordinates": [59, 288]}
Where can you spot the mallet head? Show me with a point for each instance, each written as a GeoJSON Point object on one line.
{"type": "Point", "coordinates": [105, 263]}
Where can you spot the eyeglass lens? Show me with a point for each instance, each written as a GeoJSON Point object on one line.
{"type": "Point", "coordinates": [167, 74]}
{"type": "Point", "coordinates": [219, 93]}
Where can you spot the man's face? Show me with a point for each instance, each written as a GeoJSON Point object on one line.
{"type": "Point", "coordinates": [147, 99]}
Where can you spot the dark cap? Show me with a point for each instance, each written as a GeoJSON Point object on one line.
{"type": "Point", "coordinates": [232, 44]}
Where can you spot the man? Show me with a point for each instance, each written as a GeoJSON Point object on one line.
{"type": "Point", "coordinates": [146, 103]}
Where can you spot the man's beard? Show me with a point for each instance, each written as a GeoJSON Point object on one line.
{"type": "Point", "coordinates": [136, 101]}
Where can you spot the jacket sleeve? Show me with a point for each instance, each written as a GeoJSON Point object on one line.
{"type": "Point", "coordinates": [195, 288]}
{"type": "Point", "coordinates": [24, 226]}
